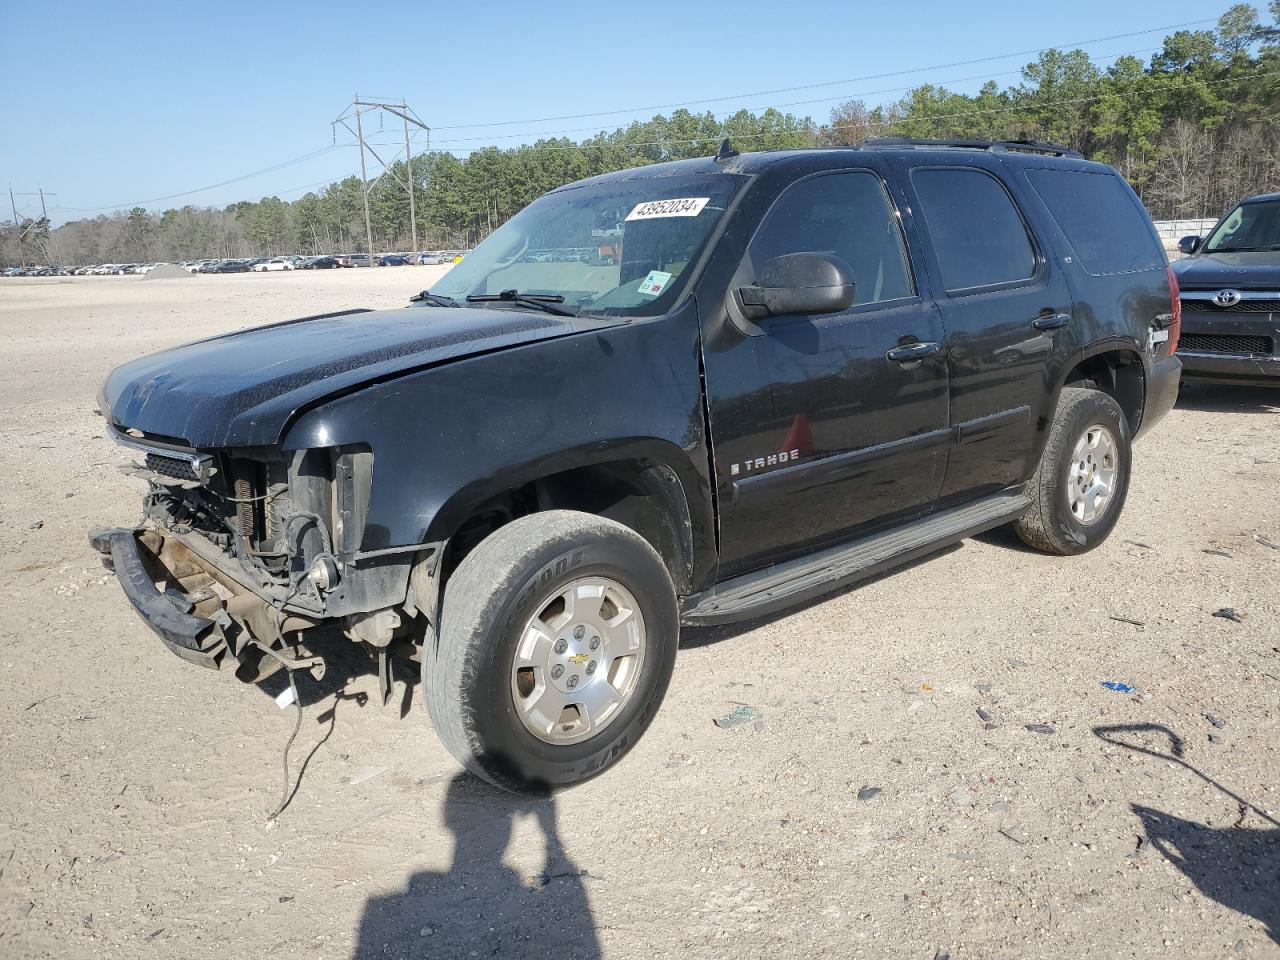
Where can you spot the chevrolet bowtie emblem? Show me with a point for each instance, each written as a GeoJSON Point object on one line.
{"type": "Point", "coordinates": [578, 658]}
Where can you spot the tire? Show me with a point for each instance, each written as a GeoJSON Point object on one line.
{"type": "Point", "coordinates": [1058, 519]}
{"type": "Point", "coordinates": [470, 671]}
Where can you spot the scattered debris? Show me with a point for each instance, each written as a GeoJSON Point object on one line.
{"type": "Point", "coordinates": [1230, 613]}
{"type": "Point", "coordinates": [1118, 686]}
{"type": "Point", "coordinates": [739, 715]}
{"type": "Point", "coordinates": [1266, 541]}
{"type": "Point", "coordinates": [961, 797]}
{"type": "Point", "coordinates": [35, 525]}
{"type": "Point", "coordinates": [1040, 728]}
{"type": "Point", "coordinates": [286, 697]}
{"type": "Point", "coordinates": [1216, 720]}
{"type": "Point", "coordinates": [1216, 553]}
{"type": "Point", "coordinates": [982, 687]}
{"type": "Point", "coordinates": [989, 718]}
{"type": "Point", "coordinates": [869, 793]}
{"type": "Point", "coordinates": [364, 774]}
{"type": "Point", "coordinates": [284, 899]}
{"type": "Point", "coordinates": [1009, 836]}
{"type": "Point", "coordinates": [1138, 543]}
{"type": "Point", "coordinates": [1015, 662]}
{"type": "Point", "coordinates": [1214, 738]}
{"type": "Point", "coordinates": [1120, 619]}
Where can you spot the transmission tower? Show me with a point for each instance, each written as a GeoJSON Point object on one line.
{"type": "Point", "coordinates": [407, 115]}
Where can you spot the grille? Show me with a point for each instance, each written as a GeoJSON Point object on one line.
{"type": "Point", "coordinates": [170, 466]}
{"type": "Point", "coordinates": [1237, 343]}
{"type": "Point", "coordinates": [1244, 306]}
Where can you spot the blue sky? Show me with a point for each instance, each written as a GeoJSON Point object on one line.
{"type": "Point", "coordinates": [108, 104]}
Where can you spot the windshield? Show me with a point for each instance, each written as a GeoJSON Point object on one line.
{"type": "Point", "coordinates": [622, 248]}
{"type": "Point", "coordinates": [1250, 226]}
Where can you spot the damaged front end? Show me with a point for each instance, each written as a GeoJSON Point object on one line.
{"type": "Point", "coordinates": [244, 555]}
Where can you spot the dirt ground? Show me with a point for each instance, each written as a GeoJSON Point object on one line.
{"type": "Point", "coordinates": [870, 812]}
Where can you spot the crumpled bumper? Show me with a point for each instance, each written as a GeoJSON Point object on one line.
{"type": "Point", "coordinates": [194, 638]}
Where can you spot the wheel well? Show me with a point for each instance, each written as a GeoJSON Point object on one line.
{"type": "Point", "coordinates": [645, 495]}
{"type": "Point", "coordinates": [1119, 374]}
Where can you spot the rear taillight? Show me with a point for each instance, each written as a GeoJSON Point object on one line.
{"type": "Point", "coordinates": [1175, 310]}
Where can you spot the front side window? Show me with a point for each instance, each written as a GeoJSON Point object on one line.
{"type": "Point", "coordinates": [976, 231]}
{"type": "Point", "coordinates": [1249, 227]}
{"type": "Point", "coordinates": [849, 216]}
{"type": "Point", "coordinates": [623, 247]}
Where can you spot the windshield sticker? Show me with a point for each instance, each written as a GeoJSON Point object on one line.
{"type": "Point", "coordinates": [654, 283]}
{"type": "Point", "coordinates": [681, 207]}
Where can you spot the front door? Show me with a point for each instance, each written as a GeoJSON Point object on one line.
{"type": "Point", "coordinates": [829, 425]}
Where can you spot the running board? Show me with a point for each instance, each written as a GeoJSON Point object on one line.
{"type": "Point", "coordinates": [784, 584]}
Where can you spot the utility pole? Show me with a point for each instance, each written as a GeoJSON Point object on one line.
{"type": "Point", "coordinates": [407, 114]}
{"type": "Point", "coordinates": [408, 159]}
{"type": "Point", "coordinates": [364, 180]}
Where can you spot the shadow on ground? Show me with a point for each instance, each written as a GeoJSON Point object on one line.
{"type": "Point", "coordinates": [479, 906]}
{"type": "Point", "coordinates": [1238, 866]}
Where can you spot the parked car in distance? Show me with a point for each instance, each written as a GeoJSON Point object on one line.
{"type": "Point", "coordinates": [360, 260]}
{"type": "Point", "coordinates": [230, 266]}
{"type": "Point", "coordinates": [428, 259]}
{"type": "Point", "coordinates": [837, 361]}
{"type": "Point", "coordinates": [392, 260]}
{"type": "Point", "coordinates": [272, 265]}
{"type": "Point", "coordinates": [320, 263]}
{"type": "Point", "coordinates": [1230, 283]}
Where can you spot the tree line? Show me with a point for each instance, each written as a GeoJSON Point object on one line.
{"type": "Point", "coordinates": [1193, 129]}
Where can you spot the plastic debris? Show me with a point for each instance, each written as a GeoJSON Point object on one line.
{"type": "Point", "coordinates": [1040, 728]}
{"type": "Point", "coordinates": [35, 525]}
{"type": "Point", "coordinates": [1266, 541]}
{"type": "Point", "coordinates": [869, 793]}
{"type": "Point", "coordinates": [1215, 720]}
{"type": "Point", "coordinates": [739, 715]}
{"type": "Point", "coordinates": [1216, 553]}
{"type": "Point", "coordinates": [365, 773]}
{"type": "Point", "coordinates": [1118, 686]}
{"type": "Point", "coordinates": [1230, 613]}
{"type": "Point", "coordinates": [286, 697]}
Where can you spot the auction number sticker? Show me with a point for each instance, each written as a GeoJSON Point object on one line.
{"type": "Point", "coordinates": [679, 207]}
{"type": "Point", "coordinates": [654, 283]}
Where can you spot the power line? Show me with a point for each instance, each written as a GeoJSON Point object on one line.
{"type": "Point", "coordinates": [213, 186]}
{"type": "Point", "coordinates": [779, 106]}
{"type": "Point", "coordinates": [832, 83]}
{"type": "Point", "coordinates": [879, 124]}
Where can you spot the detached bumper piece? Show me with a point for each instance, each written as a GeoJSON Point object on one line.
{"type": "Point", "coordinates": [193, 638]}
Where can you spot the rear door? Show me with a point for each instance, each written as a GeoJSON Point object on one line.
{"type": "Point", "coordinates": [818, 433]}
{"type": "Point", "coordinates": [1007, 310]}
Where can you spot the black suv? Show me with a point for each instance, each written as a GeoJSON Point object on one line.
{"type": "Point", "coordinates": [1231, 297]}
{"type": "Point", "coordinates": [782, 373]}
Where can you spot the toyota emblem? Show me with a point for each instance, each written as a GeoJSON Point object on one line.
{"type": "Point", "coordinates": [1226, 298]}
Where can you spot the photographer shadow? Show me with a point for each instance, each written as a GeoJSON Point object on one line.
{"type": "Point", "coordinates": [479, 906]}
{"type": "Point", "coordinates": [1237, 866]}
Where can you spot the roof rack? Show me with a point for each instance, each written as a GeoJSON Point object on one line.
{"type": "Point", "coordinates": [994, 146]}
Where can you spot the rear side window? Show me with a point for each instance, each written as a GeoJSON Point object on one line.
{"type": "Point", "coordinates": [976, 231]}
{"type": "Point", "coordinates": [845, 214]}
{"type": "Point", "coordinates": [1106, 228]}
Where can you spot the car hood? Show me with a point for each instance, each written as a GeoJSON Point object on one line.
{"type": "Point", "coordinates": [242, 389]}
{"type": "Point", "coordinates": [1242, 271]}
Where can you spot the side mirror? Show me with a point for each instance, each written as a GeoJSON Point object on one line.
{"type": "Point", "coordinates": [798, 283]}
{"type": "Point", "coordinates": [1189, 244]}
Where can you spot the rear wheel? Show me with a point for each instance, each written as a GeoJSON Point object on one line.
{"type": "Point", "coordinates": [1082, 480]}
{"type": "Point", "coordinates": [556, 645]}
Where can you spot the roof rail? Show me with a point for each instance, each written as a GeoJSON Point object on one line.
{"type": "Point", "coordinates": [995, 146]}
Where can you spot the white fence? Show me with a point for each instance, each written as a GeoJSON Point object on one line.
{"type": "Point", "coordinates": [1171, 231]}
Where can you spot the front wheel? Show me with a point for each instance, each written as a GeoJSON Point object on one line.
{"type": "Point", "coordinates": [1082, 480]}
{"type": "Point", "coordinates": [556, 645]}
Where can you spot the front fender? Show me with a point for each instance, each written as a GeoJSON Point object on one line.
{"type": "Point", "coordinates": [447, 439]}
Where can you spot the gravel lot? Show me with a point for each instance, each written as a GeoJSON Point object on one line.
{"type": "Point", "coordinates": [870, 812]}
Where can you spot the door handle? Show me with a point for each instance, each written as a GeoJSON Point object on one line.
{"type": "Point", "coordinates": [910, 352]}
{"type": "Point", "coordinates": [1052, 321]}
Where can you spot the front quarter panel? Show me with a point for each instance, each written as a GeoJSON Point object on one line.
{"type": "Point", "coordinates": [447, 439]}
